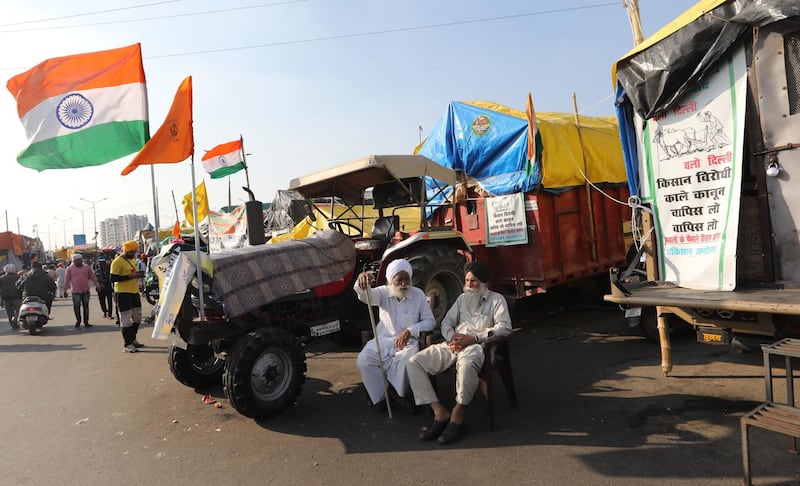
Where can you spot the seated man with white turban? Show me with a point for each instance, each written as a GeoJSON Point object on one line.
{"type": "Point", "coordinates": [403, 314]}
{"type": "Point", "coordinates": [476, 315]}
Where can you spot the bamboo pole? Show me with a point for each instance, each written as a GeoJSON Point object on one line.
{"type": "Point", "coordinates": [586, 185]}
{"type": "Point", "coordinates": [636, 22]}
{"type": "Point", "coordinates": [380, 356]}
{"type": "Point", "coordinates": [632, 7]}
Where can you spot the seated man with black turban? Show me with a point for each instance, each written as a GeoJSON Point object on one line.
{"type": "Point", "coordinates": [476, 315]}
{"type": "Point", "coordinates": [403, 313]}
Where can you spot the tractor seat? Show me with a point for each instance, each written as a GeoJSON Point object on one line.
{"type": "Point", "coordinates": [385, 228]}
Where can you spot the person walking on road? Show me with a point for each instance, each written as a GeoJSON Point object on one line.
{"type": "Point", "coordinates": [51, 270]}
{"type": "Point", "coordinates": [61, 275]}
{"type": "Point", "coordinates": [105, 289]}
{"type": "Point", "coordinates": [12, 297]}
{"type": "Point", "coordinates": [77, 278]}
{"type": "Point", "coordinates": [125, 275]}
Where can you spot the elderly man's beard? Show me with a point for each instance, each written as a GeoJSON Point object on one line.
{"type": "Point", "coordinates": [472, 297]}
{"type": "Point", "coordinates": [399, 291]}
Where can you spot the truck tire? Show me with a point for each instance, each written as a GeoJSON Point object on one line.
{"type": "Point", "coordinates": [439, 272]}
{"type": "Point", "coordinates": [264, 373]}
{"type": "Point", "coordinates": [195, 366]}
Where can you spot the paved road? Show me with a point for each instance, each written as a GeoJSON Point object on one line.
{"type": "Point", "coordinates": [593, 409]}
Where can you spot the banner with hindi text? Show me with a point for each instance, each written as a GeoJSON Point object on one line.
{"type": "Point", "coordinates": [692, 178]}
{"type": "Point", "coordinates": [505, 220]}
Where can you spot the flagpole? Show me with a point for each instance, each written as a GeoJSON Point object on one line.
{"type": "Point", "coordinates": [175, 206]}
{"type": "Point", "coordinates": [246, 173]}
{"type": "Point", "coordinates": [197, 247]}
{"type": "Point", "coordinates": [229, 191]}
{"type": "Point", "coordinates": [155, 204]}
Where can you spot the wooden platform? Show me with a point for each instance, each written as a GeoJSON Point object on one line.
{"type": "Point", "coordinates": [776, 301]}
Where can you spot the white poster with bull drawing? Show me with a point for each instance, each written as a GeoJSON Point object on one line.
{"type": "Point", "coordinates": [693, 166]}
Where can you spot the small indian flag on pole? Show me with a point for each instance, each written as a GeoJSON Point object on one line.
{"type": "Point", "coordinates": [82, 110]}
{"type": "Point", "coordinates": [224, 160]}
{"type": "Point", "coordinates": [535, 147]}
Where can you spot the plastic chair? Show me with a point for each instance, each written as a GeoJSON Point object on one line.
{"type": "Point", "coordinates": [498, 359]}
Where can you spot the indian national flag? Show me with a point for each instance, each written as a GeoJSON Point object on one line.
{"type": "Point", "coordinates": [535, 147]}
{"type": "Point", "coordinates": [224, 160]}
{"type": "Point", "coordinates": [82, 110]}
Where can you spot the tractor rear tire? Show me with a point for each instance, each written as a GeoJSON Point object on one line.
{"type": "Point", "coordinates": [439, 272]}
{"type": "Point", "coordinates": [264, 373]}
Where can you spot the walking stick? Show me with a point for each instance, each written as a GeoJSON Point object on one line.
{"type": "Point", "coordinates": [380, 356]}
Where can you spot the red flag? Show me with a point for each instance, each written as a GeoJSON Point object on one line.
{"type": "Point", "coordinates": [174, 140]}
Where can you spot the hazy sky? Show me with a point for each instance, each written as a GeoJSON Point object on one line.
{"type": "Point", "coordinates": [308, 83]}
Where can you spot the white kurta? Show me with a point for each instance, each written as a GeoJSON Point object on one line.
{"type": "Point", "coordinates": [490, 318]}
{"type": "Point", "coordinates": [412, 313]}
{"type": "Point", "coordinates": [61, 274]}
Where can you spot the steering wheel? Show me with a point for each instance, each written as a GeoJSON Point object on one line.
{"type": "Point", "coordinates": [344, 227]}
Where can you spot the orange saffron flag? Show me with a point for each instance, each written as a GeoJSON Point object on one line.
{"type": "Point", "coordinates": [532, 128]}
{"type": "Point", "coordinates": [176, 230]}
{"type": "Point", "coordinates": [173, 142]}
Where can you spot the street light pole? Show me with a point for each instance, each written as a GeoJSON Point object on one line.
{"type": "Point", "coordinates": [83, 225]}
{"type": "Point", "coordinates": [94, 216]}
{"type": "Point", "coordinates": [64, 227]}
{"type": "Point", "coordinates": [49, 238]}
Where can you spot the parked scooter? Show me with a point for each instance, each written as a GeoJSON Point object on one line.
{"type": "Point", "coordinates": [33, 314]}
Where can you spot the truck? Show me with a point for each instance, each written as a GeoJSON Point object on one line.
{"type": "Point", "coordinates": [709, 111]}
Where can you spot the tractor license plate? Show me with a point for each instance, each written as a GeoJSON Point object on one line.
{"type": "Point", "coordinates": [712, 336]}
{"type": "Point", "coordinates": [323, 329]}
{"type": "Point", "coordinates": [31, 319]}
{"type": "Point", "coordinates": [633, 312]}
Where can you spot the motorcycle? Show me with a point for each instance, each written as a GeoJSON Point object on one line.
{"type": "Point", "coordinates": [33, 314]}
{"type": "Point", "coordinates": [150, 289]}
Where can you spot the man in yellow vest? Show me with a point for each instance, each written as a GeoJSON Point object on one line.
{"type": "Point", "coordinates": [125, 275]}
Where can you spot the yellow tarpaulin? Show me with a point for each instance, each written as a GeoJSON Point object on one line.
{"type": "Point", "coordinates": [409, 220]}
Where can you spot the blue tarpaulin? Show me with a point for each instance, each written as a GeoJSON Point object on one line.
{"type": "Point", "coordinates": [627, 134]}
{"type": "Point", "coordinates": [489, 146]}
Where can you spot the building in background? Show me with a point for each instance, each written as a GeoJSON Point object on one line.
{"type": "Point", "coordinates": [115, 231]}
